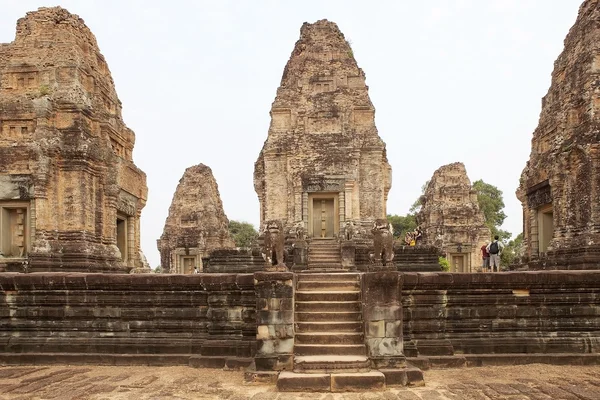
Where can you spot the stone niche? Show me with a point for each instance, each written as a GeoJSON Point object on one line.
{"type": "Point", "coordinates": [196, 224]}
{"type": "Point", "coordinates": [560, 185]}
{"type": "Point", "coordinates": [69, 201]}
{"type": "Point", "coordinates": [323, 162]}
{"type": "Point", "coordinates": [451, 219]}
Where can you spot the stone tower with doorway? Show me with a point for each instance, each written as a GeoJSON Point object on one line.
{"type": "Point", "coordinates": [323, 163]}
{"type": "Point", "coordinates": [70, 195]}
{"type": "Point", "coordinates": [560, 185]}
{"type": "Point", "coordinates": [196, 223]}
{"type": "Point", "coordinates": [451, 218]}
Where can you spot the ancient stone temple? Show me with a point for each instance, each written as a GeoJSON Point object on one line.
{"type": "Point", "coordinates": [451, 219]}
{"type": "Point", "coordinates": [323, 163]}
{"type": "Point", "coordinates": [196, 223]}
{"type": "Point", "coordinates": [560, 185]}
{"type": "Point", "coordinates": [70, 194]}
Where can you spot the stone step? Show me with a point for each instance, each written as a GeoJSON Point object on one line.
{"type": "Point", "coordinates": [323, 306]}
{"type": "Point", "coordinates": [320, 296]}
{"type": "Point", "coordinates": [328, 364]}
{"type": "Point", "coordinates": [336, 316]}
{"type": "Point", "coordinates": [336, 262]}
{"type": "Point", "coordinates": [323, 257]}
{"type": "Point", "coordinates": [297, 382]}
{"type": "Point", "coordinates": [329, 326]}
{"type": "Point", "coordinates": [340, 285]}
{"type": "Point", "coordinates": [324, 266]}
{"type": "Point", "coordinates": [335, 382]}
{"type": "Point", "coordinates": [329, 349]}
{"type": "Point", "coordinates": [324, 242]}
{"type": "Point", "coordinates": [357, 381]}
{"type": "Point", "coordinates": [329, 338]}
{"type": "Point", "coordinates": [324, 248]}
{"type": "Point", "coordinates": [346, 276]}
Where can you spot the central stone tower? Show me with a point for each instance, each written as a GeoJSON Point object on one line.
{"type": "Point", "coordinates": [323, 163]}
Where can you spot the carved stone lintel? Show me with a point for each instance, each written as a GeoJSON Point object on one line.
{"type": "Point", "coordinates": [539, 197]}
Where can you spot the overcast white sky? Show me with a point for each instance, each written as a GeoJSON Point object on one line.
{"type": "Point", "coordinates": [451, 80]}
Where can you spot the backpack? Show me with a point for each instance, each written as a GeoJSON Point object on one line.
{"type": "Point", "coordinates": [494, 248]}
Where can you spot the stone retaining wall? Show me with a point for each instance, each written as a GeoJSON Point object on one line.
{"type": "Point", "coordinates": [211, 319]}
{"type": "Point", "coordinates": [501, 313]}
{"type": "Point", "coordinates": [209, 316]}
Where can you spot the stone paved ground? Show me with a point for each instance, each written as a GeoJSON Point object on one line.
{"type": "Point", "coordinates": [538, 382]}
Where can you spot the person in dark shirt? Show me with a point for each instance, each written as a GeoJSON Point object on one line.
{"type": "Point", "coordinates": [485, 257]}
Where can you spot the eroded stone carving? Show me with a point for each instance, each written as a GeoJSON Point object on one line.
{"type": "Point", "coordinates": [274, 240]}
{"type": "Point", "coordinates": [450, 218]}
{"type": "Point", "coordinates": [559, 188]}
{"type": "Point", "coordinates": [349, 230]}
{"type": "Point", "coordinates": [196, 224]}
{"type": "Point", "coordinates": [65, 152]}
{"type": "Point", "coordinates": [322, 144]}
{"type": "Point", "coordinates": [383, 241]}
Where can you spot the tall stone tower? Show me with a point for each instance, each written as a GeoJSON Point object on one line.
{"type": "Point", "coordinates": [451, 219]}
{"type": "Point", "coordinates": [323, 162]}
{"type": "Point", "coordinates": [70, 194]}
{"type": "Point", "coordinates": [196, 223]}
{"type": "Point", "coordinates": [560, 185]}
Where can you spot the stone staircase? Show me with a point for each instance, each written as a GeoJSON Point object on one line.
{"type": "Point", "coordinates": [329, 329]}
{"type": "Point", "coordinates": [330, 354]}
{"type": "Point", "coordinates": [324, 255]}
{"type": "Point", "coordinates": [329, 349]}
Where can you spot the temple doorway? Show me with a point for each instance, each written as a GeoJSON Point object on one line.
{"type": "Point", "coordinates": [14, 231]}
{"type": "Point", "coordinates": [188, 265]}
{"type": "Point", "coordinates": [122, 236]}
{"type": "Point", "coordinates": [323, 215]}
{"type": "Point", "coordinates": [545, 227]}
{"type": "Point", "coordinates": [458, 263]}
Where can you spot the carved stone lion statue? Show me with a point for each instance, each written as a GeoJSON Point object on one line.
{"type": "Point", "coordinates": [300, 231]}
{"type": "Point", "coordinates": [349, 230]}
{"type": "Point", "coordinates": [274, 240]}
{"type": "Point", "coordinates": [383, 240]}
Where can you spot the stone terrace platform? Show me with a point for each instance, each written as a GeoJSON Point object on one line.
{"type": "Point", "coordinates": [428, 320]}
{"type": "Point", "coordinates": [536, 382]}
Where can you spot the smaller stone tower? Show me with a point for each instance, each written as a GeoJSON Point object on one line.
{"type": "Point", "coordinates": [451, 219]}
{"type": "Point", "coordinates": [196, 224]}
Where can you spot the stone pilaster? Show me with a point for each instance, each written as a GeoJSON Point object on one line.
{"type": "Point", "coordinates": [300, 252]}
{"type": "Point", "coordinates": [274, 320]}
{"type": "Point", "coordinates": [348, 250]}
{"type": "Point", "coordinates": [382, 313]}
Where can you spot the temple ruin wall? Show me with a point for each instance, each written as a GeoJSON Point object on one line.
{"type": "Point", "coordinates": [211, 319]}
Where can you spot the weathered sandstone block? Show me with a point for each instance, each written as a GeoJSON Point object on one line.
{"type": "Point", "coordinates": [451, 219]}
{"type": "Point", "coordinates": [323, 162]}
{"type": "Point", "coordinates": [196, 223]}
{"type": "Point", "coordinates": [560, 185]}
{"type": "Point", "coordinates": [70, 195]}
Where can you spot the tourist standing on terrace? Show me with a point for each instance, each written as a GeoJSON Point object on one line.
{"type": "Point", "coordinates": [495, 249]}
{"type": "Point", "coordinates": [485, 256]}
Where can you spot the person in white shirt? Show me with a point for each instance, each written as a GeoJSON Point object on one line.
{"type": "Point", "coordinates": [495, 249]}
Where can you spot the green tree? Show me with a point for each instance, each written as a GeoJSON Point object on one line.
{"type": "Point", "coordinates": [491, 204]}
{"type": "Point", "coordinates": [511, 250]}
{"type": "Point", "coordinates": [243, 233]}
{"type": "Point", "coordinates": [157, 270]}
{"type": "Point", "coordinates": [444, 264]}
{"type": "Point", "coordinates": [402, 224]}
{"type": "Point", "coordinates": [416, 206]}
